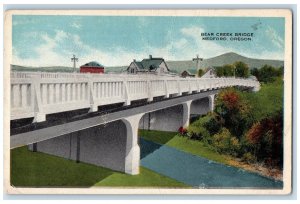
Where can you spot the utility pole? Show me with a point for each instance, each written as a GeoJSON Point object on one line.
{"type": "Point", "coordinates": [74, 60]}
{"type": "Point", "coordinates": [197, 59]}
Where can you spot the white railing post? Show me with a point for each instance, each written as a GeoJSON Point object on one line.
{"type": "Point", "coordinates": [198, 85]}
{"type": "Point", "coordinates": [179, 89]}
{"type": "Point", "coordinates": [190, 88]}
{"type": "Point", "coordinates": [126, 93]}
{"type": "Point", "coordinates": [39, 115]}
{"type": "Point", "coordinates": [91, 95]}
{"type": "Point", "coordinates": [166, 89]}
{"type": "Point", "coordinates": [149, 88]}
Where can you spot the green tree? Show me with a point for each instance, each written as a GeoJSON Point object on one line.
{"type": "Point", "coordinates": [219, 71]}
{"type": "Point", "coordinates": [228, 70]}
{"type": "Point", "coordinates": [255, 72]}
{"type": "Point", "coordinates": [268, 73]}
{"type": "Point", "coordinates": [200, 72]}
{"type": "Point", "coordinates": [241, 69]}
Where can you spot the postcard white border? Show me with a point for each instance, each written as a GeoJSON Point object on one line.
{"type": "Point", "coordinates": [287, 173]}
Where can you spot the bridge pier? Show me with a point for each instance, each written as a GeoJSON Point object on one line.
{"type": "Point", "coordinates": [132, 158]}
{"type": "Point", "coordinates": [168, 119]}
{"type": "Point", "coordinates": [211, 99]}
{"type": "Point", "coordinates": [186, 114]}
{"type": "Point", "coordinates": [113, 145]}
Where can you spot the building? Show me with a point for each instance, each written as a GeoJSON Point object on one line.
{"type": "Point", "coordinates": [210, 73]}
{"type": "Point", "coordinates": [92, 67]}
{"type": "Point", "coordinates": [151, 65]}
{"type": "Point", "coordinates": [187, 73]}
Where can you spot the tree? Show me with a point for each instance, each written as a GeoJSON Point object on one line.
{"type": "Point", "coordinates": [219, 71]}
{"type": "Point", "coordinates": [228, 70]}
{"type": "Point", "coordinates": [268, 73]}
{"type": "Point", "coordinates": [241, 69]}
{"type": "Point", "coordinates": [255, 72]}
{"type": "Point", "coordinates": [200, 72]}
{"type": "Point", "coordinates": [234, 111]}
{"type": "Point", "coordinates": [266, 139]}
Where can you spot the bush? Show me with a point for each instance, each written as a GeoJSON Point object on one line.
{"type": "Point", "coordinates": [182, 131]}
{"type": "Point", "coordinates": [197, 132]}
{"type": "Point", "coordinates": [234, 111]}
{"type": "Point", "coordinates": [248, 158]}
{"type": "Point", "coordinates": [265, 139]}
{"type": "Point", "coordinates": [214, 124]}
{"type": "Point", "coordinates": [224, 142]}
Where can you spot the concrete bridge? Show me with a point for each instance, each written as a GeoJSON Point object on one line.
{"type": "Point", "coordinates": [95, 118]}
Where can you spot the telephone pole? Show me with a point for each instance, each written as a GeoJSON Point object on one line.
{"type": "Point", "coordinates": [198, 60]}
{"type": "Point", "coordinates": [74, 60]}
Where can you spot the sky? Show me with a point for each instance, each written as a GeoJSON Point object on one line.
{"type": "Point", "coordinates": [41, 40]}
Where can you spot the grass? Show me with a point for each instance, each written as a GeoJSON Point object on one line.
{"type": "Point", "coordinates": [34, 169]}
{"type": "Point", "coordinates": [194, 147]}
{"type": "Point", "coordinates": [144, 179]}
{"type": "Point", "coordinates": [267, 101]}
{"type": "Point", "coordinates": [160, 137]}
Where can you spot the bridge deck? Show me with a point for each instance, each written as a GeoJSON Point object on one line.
{"type": "Point", "coordinates": [40, 94]}
{"type": "Point", "coordinates": [60, 125]}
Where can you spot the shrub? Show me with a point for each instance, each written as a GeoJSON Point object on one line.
{"type": "Point", "coordinates": [224, 142]}
{"type": "Point", "coordinates": [197, 132]}
{"type": "Point", "coordinates": [234, 111]}
{"type": "Point", "coordinates": [248, 158]}
{"type": "Point", "coordinates": [214, 124]}
{"type": "Point", "coordinates": [265, 139]}
{"type": "Point", "coordinates": [182, 131]}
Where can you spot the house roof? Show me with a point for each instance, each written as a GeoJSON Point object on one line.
{"type": "Point", "coordinates": [149, 64]}
{"type": "Point", "coordinates": [188, 72]}
{"type": "Point", "coordinates": [93, 64]}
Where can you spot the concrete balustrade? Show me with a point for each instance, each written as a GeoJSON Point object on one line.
{"type": "Point", "coordinates": [35, 94]}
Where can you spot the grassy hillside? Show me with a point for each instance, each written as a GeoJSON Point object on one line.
{"type": "Point", "coordinates": [267, 101]}
{"type": "Point", "coordinates": [227, 58]}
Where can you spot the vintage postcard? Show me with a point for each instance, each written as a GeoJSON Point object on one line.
{"type": "Point", "coordinates": [148, 101]}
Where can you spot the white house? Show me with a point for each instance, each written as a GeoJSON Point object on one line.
{"type": "Point", "coordinates": [151, 65]}
{"type": "Point", "coordinates": [210, 73]}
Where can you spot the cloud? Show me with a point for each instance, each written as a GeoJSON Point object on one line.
{"type": "Point", "coordinates": [76, 25]}
{"type": "Point", "coordinates": [57, 50]}
{"type": "Point", "coordinates": [275, 38]}
{"type": "Point", "coordinates": [50, 52]}
{"type": "Point", "coordinates": [272, 55]}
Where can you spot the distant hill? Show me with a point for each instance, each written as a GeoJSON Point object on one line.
{"type": "Point", "coordinates": [227, 58]}
{"type": "Point", "coordinates": [42, 69]}
{"type": "Point", "coordinates": [175, 66]}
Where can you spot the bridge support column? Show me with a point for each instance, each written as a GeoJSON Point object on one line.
{"type": "Point", "coordinates": [211, 99]}
{"type": "Point", "coordinates": [186, 113]}
{"type": "Point", "coordinates": [132, 157]}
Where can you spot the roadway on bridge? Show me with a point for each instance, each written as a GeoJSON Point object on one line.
{"type": "Point", "coordinates": [199, 172]}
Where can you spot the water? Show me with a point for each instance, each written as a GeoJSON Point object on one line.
{"type": "Point", "coordinates": [197, 171]}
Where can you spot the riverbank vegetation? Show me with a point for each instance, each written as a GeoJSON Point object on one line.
{"type": "Point", "coordinates": [246, 125]}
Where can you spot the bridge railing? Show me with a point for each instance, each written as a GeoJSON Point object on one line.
{"type": "Point", "coordinates": [36, 94]}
